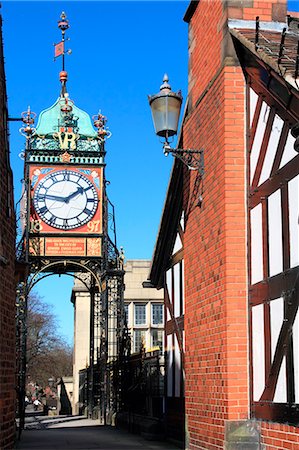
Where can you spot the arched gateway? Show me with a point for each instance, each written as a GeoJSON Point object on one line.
{"type": "Point", "coordinates": [65, 213]}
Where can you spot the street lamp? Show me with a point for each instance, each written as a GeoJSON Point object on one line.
{"type": "Point", "coordinates": [166, 108]}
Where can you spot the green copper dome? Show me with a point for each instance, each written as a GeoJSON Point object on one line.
{"type": "Point", "coordinates": [50, 120]}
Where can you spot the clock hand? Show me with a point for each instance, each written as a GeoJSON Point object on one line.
{"type": "Point", "coordinates": [79, 190]}
{"type": "Point", "coordinates": [54, 197]}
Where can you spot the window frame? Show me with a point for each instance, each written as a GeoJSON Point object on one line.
{"type": "Point", "coordinates": [153, 305]}
{"type": "Point", "coordinates": [141, 324]}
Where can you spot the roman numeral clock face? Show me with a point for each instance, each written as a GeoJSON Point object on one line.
{"type": "Point", "coordinates": [65, 199]}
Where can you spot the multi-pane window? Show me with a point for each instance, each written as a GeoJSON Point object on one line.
{"type": "Point", "coordinates": [139, 339]}
{"type": "Point", "coordinates": [157, 338]}
{"type": "Point", "coordinates": [140, 314]}
{"type": "Point", "coordinates": [157, 314]}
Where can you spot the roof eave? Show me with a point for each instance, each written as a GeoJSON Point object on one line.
{"type": "Point", "coordinates": [167, 229]}
{"type": "Point", "coordinates": [263, 56]}
{"type": "Point", "coordinates": [190, 10]}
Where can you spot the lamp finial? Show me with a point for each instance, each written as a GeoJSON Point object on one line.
{"type": "Point", "coordinates": [165, 84]}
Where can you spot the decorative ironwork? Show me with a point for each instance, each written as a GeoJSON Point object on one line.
{"type": "Point", "coordinates": [83, 145]}
{"type": "Point", "coordinates": [28, 118]}
{"type": "Point", "coordinates": [68, 119]}
{"type": "Point", "coordinates": [63, 25]}
{"type": "Point", "coordinates": [144, 385]}
{"type": "Point", "coordinates": [21, 340]}
{"type": "Point", "coordinates": [99, 122]}
{"type": "Point", "coordinates": [193, 159]}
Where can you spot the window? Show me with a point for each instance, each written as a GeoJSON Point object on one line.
{"type": "Point", "coordinates": [157, 338]}
{"type": "Point", "coordinates": [126, 308]}
{"type": "Point", "coordinates": [140, 315]}
{"type": "Point", "coordinates": [157, 314]}
{"type": "Point", "coordinates": [139, 339]}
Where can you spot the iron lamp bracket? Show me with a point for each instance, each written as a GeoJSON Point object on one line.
{"type": "Point", "coordinates": [193, 159]}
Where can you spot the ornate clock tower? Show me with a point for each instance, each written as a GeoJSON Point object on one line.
{"type": "Point", "coordinates": [65, 225]}
{"type": "Point", "coordinates": [65, 166]}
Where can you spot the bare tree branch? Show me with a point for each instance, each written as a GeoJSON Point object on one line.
{"type": "Point", "coordinates": [48, 354]}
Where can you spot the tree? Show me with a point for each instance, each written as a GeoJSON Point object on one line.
{"type": "Point", "coordinates": [48, 354]}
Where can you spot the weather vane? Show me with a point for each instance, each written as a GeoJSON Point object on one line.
{"type": "Point", "coordinates": [59, 49]}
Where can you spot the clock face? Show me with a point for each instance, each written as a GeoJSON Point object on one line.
{"type": "Point", "coordinates": [65, 199]}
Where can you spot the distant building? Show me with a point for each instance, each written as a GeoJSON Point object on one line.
{"type": "Point", "coordinates": [144, 308]}
{"type": "Point", "coordinates": [145, 317]}
{"type": "Point", "coordinates": [7, 276]}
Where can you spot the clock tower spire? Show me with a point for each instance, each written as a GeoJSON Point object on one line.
{"type": "Point", "coordinates": [59, 50]}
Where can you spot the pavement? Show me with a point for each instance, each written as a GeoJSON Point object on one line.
{"type": "Point", "coordinates": [80, 433]}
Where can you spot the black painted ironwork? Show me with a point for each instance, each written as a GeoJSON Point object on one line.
{"type": "Point", "coordinates": [281, 46]}
{"type": "Point", "coordinates": [257, 29]}
{"type": "Point", "coordinates": [193, 159]}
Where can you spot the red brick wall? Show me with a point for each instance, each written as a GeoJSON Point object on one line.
{"type": "Point", "coordinates": [278, 436]}
{"type": "Point", "coordinates": [267, 10]}
{"type": "Point", "coordinates": [7, 280]}
{"type": "Point", "coordinates": [215, 250]}
{"type": "Point", "coordinates": [215, 267]}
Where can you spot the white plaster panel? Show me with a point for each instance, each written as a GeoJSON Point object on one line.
{"type": "Point", "coordinates": [256, 244]}
{"type": "Point", "coordinates": [276, 321]}
{"type": "Point", "coordinates": [177, 366]}
{"type": "Point", "coordinates": [296, 356]}
{"type": "Point", "coordinates": [275, 233]}
{"type": "Point", "coordinates": [258, 351]}
{"type": "Point", "coordinates": [176, 275]}
{"type": "Point", "coordinates": [253, 98]}
{"type": "Point", "coordinates": [177, 245]}
{"type": "Point", "coordinates": [169, 288]}
{"type": "Point", "coordinates": [258, 138]}
{"type": "Point", "coordinates": [182, 221]}
{"type": "Point", "coordinates": [281, 387]}
{"type": "Point", "coordinates": [272, 148]}
{"type": "Point", "coordinates": [169, 365]}
{"type": "Point", "coordinates": [293, 190]}
{"type": "Point", "coordinates": [289, 152]}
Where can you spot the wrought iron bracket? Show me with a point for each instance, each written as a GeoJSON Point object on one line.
{"type": "Point", "coordinates": [193, 159]}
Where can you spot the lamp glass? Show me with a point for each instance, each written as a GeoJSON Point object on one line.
{"type": "Point", "coordinates": [166, 112]}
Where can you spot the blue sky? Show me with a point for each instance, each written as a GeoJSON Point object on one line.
{"type": "Point", "coordinates": [120, 52]}
{"type": "Point", "coordinates": [293, 5]}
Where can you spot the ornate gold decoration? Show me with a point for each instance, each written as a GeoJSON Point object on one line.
{"type": "Point", "coordinates": [94, 247]}
{"type": "Point", "coordinates": [65, 157]}
{"type": "Point", "coordinates": [67, 140]}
